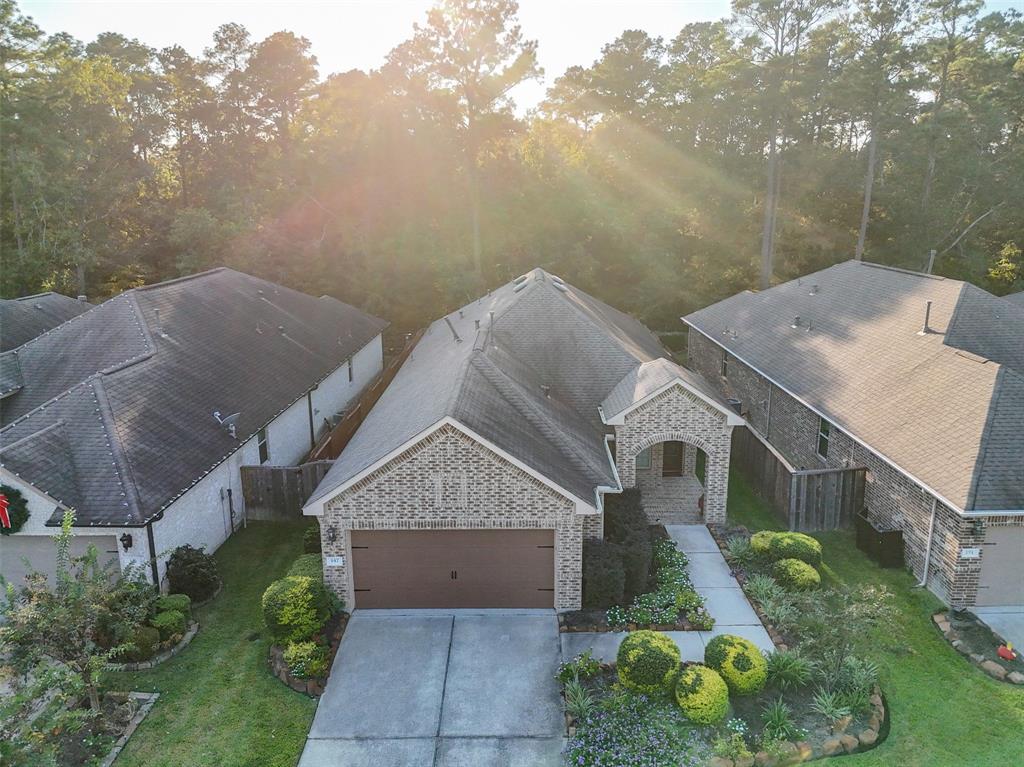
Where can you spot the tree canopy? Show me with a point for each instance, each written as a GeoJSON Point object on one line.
{"type": "Point", "coordinates": [662, 176]}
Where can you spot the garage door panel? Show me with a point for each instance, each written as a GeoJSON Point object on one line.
{"type": "Point", "coordinates": [41, 553]}
{"type": "Point", "coordinates": [453, 568]}
{"type": "Point", "coordinates": [1002, 574]}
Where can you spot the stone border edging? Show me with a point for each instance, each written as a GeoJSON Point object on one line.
{"type": "Point", "coordinates": [148, 701]}
{"type": "Point", "coordinates": [159, 658]}
{"type": "Point", "coordinates": [986, 664]}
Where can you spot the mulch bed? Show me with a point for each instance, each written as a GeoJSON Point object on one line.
{"type": "Point", "coordinates": [314, 687]}
{"type": "Point", "coordinates": [973, 639]}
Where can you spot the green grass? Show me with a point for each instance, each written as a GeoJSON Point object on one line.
{"type": "Point", "coordinates": [944, 711]}
{"type": "Point", "coordinates": [218, 703]}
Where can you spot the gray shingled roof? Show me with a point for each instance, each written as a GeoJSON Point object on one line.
{"type": "Point", "coordinates": [1016, 298]}
{"type": "Point", "coordinates": [651, 376]}
{"type": "Point", "coordinates": [22, 319]}
{"type": "Point", "coordinates": [947, 407]}
{"type": "Point", "coordinates": [114, 416]}
{"type": "Point", "coordinates": [530, 381]}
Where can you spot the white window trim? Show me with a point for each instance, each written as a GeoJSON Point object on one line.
{"type": "Point", "coordinates": [827, 437]}
{"type": "Point", "coordinates": [643, 459]}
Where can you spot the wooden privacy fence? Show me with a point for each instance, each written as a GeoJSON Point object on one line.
{"type": "Point", "coordinates": [333, 442]}
{"type": "Point", "coordinates": [278, 492]}
{"type": "Point", "coordinates": [803, 499]}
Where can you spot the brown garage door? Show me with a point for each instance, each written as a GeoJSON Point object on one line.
{"type": "Point", "coordinates": [454, 568]}
{"type": "Point", "coordinates": [1002, 576]}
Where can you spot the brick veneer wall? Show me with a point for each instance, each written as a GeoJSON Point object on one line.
{"type": "Point", "coordinates": [677, 414]}
{"type": "Point", "coordinates": [450, 481]}
{"type": "Point", "coordinates": [893, 500]}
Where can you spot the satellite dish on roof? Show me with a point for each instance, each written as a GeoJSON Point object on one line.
{"type": "Point", "coordinates": [228, 422]}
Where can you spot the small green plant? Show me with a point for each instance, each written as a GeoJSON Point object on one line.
{"type": "Point", "coordinates": [777, 719]}
{"type": "Point", "coordinates": [788, 670]}
{"type": "Point", "coordinates": [763, 587]}
{"type": "Point", "coordinates": [295, 608]}
{"type": "Point", "coordinates": [306, 659]}
{"type": "Point", "coordinates": [583, 666]}
{"type": "Point", "coordinates": [759, 542]}
{"type": "Point", "coordinates": [143, 644]}
{"type": "Point", "coordinates": [648, 662]}
{"type": "Point", "coordinates": [780, 610]}
{"type": "Point", "coordinates": [178, 602]}
{"type": "Point", "coordinates": [702, 695]}
{"type": "Point", "coordinates": [829, 704]}
{"type": "Point", "coordinates": [739, 551]}
{"type": "Point", "coordinates": [796, 575]}
{"type": "Point", "coordinates": [739, 662]}
{"type": "Point", "coordinates": [732, 747]}
{"type": "Point", "coordinates": [579, 703]}
{"type": "Point", "coordinates": [169, 623]}
{"type": "Point", "coordinates": [851, 678]}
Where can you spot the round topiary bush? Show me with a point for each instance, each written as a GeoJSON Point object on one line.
{"type": "Point", "coordinates": [796, 575]}
{"type": "Point", "coordinates": [795, 546]}
{"type": "Point", "coordinates": [193, 572]}
{"type": "Point", "coordinates": [702, 695]}
{"type": "Point", "coordinates": [295, 608]}
{"type": "Point", "coordinates": [739, 662]}
{"type": "Point", "coordinates": [648, 662]}
{"type": "Point", "coordinates": [760, 542]}
{"type": "Point", "coordinates": [309, 565]}
{"type": "Point", "coordinates": [169, 623]}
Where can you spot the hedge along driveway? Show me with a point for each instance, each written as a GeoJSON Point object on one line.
{"type": "Point", "coordinates": [218, 703]}
{"type": "Point", "coordinates": [945, 712]}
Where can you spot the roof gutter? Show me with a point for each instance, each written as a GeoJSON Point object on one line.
{"type": "Point", "coordinates": [854, 437]}
{"type": "Point", "coordinates": [600, 490]}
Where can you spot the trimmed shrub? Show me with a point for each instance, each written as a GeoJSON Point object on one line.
{"type": "Point", "coordinates": [795, 546]}
{"type": "Point", "coordinates": [739, 662]}
{"type": "Point", "coordinates": [636, 562]}
{"type": "Point", "coordinates": [623, 514]}
{"type": "Point", "coordinates": [796, 575]}
{"type": "Point", "coordinates": [760, 542]}
{"type": "Point", "coordinates": [193, 572]}
{"type": "Point", "coordinates": [295, 608]}
{"type": "Point", "coordinates": [306, 659]}
{"type": "Point", "coordinates": [702, 695]}
{"type": "Point", "coordinates": [177, 602]}
{"type": "Point", "coordinates": [311, 539]}
{"type": "Point", "coordinates": [603, 576]}
{"type": "Point", "coordinates": [168, 623]}
{"type": "Point", "coordinates": [308, 565]}
{"type": "Point", "coordinates": [648, 662]}
{"type": "Point", "coordinates": [144, 644]}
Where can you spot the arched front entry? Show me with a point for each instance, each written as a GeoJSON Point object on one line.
{"type": "Point", "coordinates": [670, 476]}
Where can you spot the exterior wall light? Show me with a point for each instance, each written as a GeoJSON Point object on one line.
{"type": "Point", "coordinates": [126, 540]}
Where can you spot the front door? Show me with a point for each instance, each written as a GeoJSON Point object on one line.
{"type": "Point", "coordinates": [672, 459]}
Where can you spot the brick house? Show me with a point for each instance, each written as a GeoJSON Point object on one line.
{"type": "Point", "coordinates": [918, 378]}
{"type": "Point", "coordinates": [482, 468]}
{"type": "Point", "coordinates": [111, 414]}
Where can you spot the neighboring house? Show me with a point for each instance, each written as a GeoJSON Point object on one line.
{"type": "Point", "coordinates": [22, 319]}
{"type": "Point", "coordinates": [482, 468]}
{"type": "Point", "coordinates": [918, 378]}
{"type": "Point", "coordinates": [112, 414]}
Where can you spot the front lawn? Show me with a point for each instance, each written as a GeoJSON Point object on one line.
{"type": "Point", "coordinates": [218, 703]}
{"type": "Point", "coordinates": [943, 710]}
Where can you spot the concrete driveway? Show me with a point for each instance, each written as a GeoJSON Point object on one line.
{"type": "Point", "coordinates": [428, 688]}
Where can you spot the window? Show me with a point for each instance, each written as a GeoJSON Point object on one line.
{"type": "Point", "coordinates": [261, 443]}
{"type": "Point", "coordinates": [824, 432]}
{"type": "Point", "coordinates": [643, 459]}
{"type": "Point", "coordinates": [725, 364]}
{"type": "Point", "coordinates": [350, 371]}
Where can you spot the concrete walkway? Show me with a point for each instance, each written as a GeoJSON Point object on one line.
{"type": "Point", "coordinates": [712, 578]}
{"type": "Point", "coordinates": [1008, 622]}
{"type": "Point", "coordinates": [441, 688]}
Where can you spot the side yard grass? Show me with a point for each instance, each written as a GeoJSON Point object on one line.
{"type": "Point", "coordinates": [944, 711]}
{"type": "Point", "coordinates": [218, 703]}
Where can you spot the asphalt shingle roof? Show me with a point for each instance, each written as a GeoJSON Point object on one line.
{"type": "Point", "coordinates": [120, 400]}
{"type": "Point", "coordinates": [946, 406]}
{"type": "Point", "coordinates": [534, 361]}
{"type": "Point", "coordinates": [22, 319]}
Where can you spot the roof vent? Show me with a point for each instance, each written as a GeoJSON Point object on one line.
{"type": "Point", "coordinates": [83, 299]}
{"type": "Point", "coordinates": [927, 316]}
{"type": "Point", "coordinates": [519, 286]}
{"type": "Point", "coordinates": [159, 325]}
{"type": "Point", "coordinates": [560, 286]}
{"type": "Point", "coordinates": [461, 314]}
{"type": "Point", "coordinates": [546, 389]}
{"type": "Point", "coordinates": [452, 328]}
{"type": "Point", "coordinates": [520, 279]}
{"type": "Point", "coordinates": [813, 291]}
{"type": "Point", "coordinates": [796, 322]}
{"type": "Point", "coordinates": [476, 324]}
{"type": "Point", "coordinates": [556, 279]}
{"type": "Point", "coordinates": [228, 423]}
{"type": "Point", "coordinates": [280, 329]}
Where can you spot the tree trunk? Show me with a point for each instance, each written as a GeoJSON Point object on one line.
{"type": "Point", "coordinates": [768, 226]}
{"type": "Point", "coordinates": [869, 183]}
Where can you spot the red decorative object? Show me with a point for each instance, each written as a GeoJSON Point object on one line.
{"type": "Point", "coordinates": [1006, 652]}
{"type": "Point", "coordinates": [5, 517]}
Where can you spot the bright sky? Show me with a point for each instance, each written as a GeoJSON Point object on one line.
{"type": "Point", "coordinates": [357, 34]}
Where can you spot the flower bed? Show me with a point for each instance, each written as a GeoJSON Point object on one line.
{"type": "Point", "coordinates": [973, 639]}
{"type": "Point", "coordinates": [165, 651]}
{"type": "Point", "coordinates": [312, 686]}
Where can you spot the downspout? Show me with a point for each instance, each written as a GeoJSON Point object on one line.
{"type": "Point", "coordinates": [928, 548]}
{"type": "Point", "coordinates": [312, 431]}
{"type": "Point", "coordinates": [152, 549]}
{"type": "Point", "coordinates": [600, 490]}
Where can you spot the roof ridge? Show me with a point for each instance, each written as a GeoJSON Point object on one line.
{"type": "Point", "coordinates": [121, 463]}
{"type": "Point", "coordinates": [901, 270]}
{"type": "Point", "coordinates": [184, 278]}
{"type": "Point", "coordinates": [9, 445]}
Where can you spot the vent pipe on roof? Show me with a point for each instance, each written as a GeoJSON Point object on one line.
{"type": "Point", "coordinates": [796, 322]}
{"type": "Point", "coordinates": [927, 315]}
{"type": "Point", "coordinates": [546, 389]}
{"type": "Point", "coordinates": [452, 328]}
{"type": "Point", "coordinates": [476, 324]}
{"type": "Point", "coordinates": [82, 298]}
{"type": "Point", "coordinates": [813, 291]}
